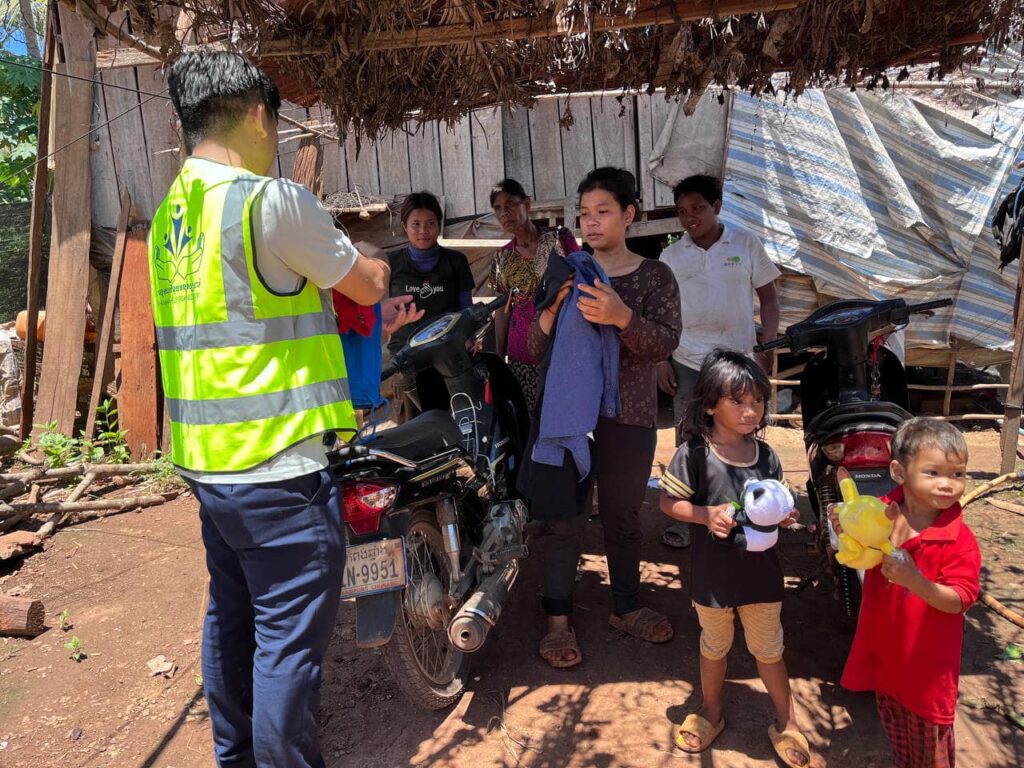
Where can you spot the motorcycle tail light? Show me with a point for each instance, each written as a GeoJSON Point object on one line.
{"type": "Point", "coordinates": [365, 503]}
{"type": "Point", "coordinates": [861, 449]}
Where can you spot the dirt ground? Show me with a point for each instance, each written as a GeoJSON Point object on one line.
{"type": "Point", "coordinates": [133, 586]}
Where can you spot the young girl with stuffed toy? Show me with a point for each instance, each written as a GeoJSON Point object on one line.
{"type": "Point", "coordinates": [719, 450]}
{"type": "Point", "coordinates": [911, 624]}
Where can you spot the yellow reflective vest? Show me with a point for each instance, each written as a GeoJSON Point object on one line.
{"type": "Point", "coordinates": [247, 371]}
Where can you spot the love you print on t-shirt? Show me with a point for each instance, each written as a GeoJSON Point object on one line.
{"type": "Point", "coordinates": [426, 289]}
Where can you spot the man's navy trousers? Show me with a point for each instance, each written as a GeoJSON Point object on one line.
{"type": "Point", "coordinates": [276, 553]}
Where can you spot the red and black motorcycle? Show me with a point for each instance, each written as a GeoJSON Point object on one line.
{"type": "Point", "coordinates": [853, 394]}
{"type": "Point", "coordinates": [435, 527]}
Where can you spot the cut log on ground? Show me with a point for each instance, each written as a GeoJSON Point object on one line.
{"type": "Point", "coordinates": [12, 521]}
{"type": "Point", "coordinates": [116, 505]}
{"type": "Point", "coordinates": [72, 470]}
{"type": "Point", "coordinates": [1006, 506]}
{"type": "Point", "coordinates": [21, 616]}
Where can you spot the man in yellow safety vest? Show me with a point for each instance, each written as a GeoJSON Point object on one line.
{"type": "Point", "coordinates": [242, 266]}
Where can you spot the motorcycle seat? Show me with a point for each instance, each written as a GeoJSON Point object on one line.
{"type": "Point", "coordinates": [426, 435]}
{"type": "Point", "coordinates": [855, 417]}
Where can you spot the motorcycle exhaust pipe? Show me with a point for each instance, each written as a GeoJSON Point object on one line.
{"type": "Point", "coordinates": [481, 611]}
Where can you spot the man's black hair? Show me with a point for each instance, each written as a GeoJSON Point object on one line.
{"type": "Point", "coordinates": [212, 90]}
{"type": "Point", "coordinates": [708, 187]}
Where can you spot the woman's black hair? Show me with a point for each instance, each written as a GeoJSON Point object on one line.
{"type": "Point", "coordinates": [618, 181]}
{"type": "Point", "coordinates": [421, 201]}
{"type": "Point", "coordinates": [724, 374]}
{"type": "Point", "coordinates": [510, 187]}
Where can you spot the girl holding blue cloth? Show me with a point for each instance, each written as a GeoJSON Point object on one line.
{"type": "Point", "coordinates": [625, 323]}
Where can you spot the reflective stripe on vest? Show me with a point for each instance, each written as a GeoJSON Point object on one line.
{"type": "Point", "coordinates": [247, 372]}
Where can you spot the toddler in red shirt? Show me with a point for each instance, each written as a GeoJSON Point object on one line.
{"type": "Point", "coordinates": [910, 629]}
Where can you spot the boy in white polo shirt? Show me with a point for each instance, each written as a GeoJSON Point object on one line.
{"type": "Point", "coordinates": [718, 269]}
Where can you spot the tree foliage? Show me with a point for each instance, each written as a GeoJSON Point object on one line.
{"type": "Point", "coordinates": [20, 82]}
{"type": "Point", "coordinates": [19, 113]}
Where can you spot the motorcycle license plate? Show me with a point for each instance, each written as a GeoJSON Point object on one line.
{"type": "Point", "coordinates": [378, 566]}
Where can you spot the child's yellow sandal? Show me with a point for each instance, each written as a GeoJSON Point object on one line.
{"type": "Point", "coordinates": [701, 728]}
{"type": "Point", "coordinates": [793, 741]}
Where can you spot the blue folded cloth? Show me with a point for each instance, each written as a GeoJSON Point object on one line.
{"type": "Point", "coordinates": [582, 378]}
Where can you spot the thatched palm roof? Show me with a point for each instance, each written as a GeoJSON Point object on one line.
{"type": "Point", "coordinates": [376, 62]}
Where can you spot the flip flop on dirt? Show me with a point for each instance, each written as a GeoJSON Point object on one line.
{"type": "Point", "coordinates": [555, 643]}
{"type": "Point", "coordinates": [676, 536]}
{"type": "Point", "coordinates": [643, 624]}
{"type": "Point", "coordinates": [796, 742]}
{"type": "Point", "coordinates": [700, 728]}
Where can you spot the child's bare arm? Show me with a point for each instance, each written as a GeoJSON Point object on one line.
{"type": "Point", "coordinates": [716, 519]}
{"type": "Point", "coordinates": [899, 568]}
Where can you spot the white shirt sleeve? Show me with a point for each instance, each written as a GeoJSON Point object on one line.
{"type": "Point", "coordinates": [296, 238]}
{"type": "Point", "coordinates": [764, 270]}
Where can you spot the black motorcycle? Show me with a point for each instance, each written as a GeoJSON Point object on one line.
{"type": "Point", "coordinates": [435, 526]}
{"type": "Point", "coordinates": [853, 394]}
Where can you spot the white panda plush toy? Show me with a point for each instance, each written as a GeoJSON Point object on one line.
{"type": "Point", "coordinates": [766, 503]}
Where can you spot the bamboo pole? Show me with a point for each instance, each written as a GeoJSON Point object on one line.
{"type": "Point", "coordinates": [1011, 616]}
{"type": "Point", "coordinates": [548, 24]}
{"type": "Point", "coordinates": [984, 488]}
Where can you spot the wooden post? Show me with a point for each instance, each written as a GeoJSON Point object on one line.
{"type": "Point", "coordinates": [105, 341]}
{"type": "Point", "coordinates": [72, 222]}
{"type": "Point", "coordinates": [35, 236]}
{"type": "Point", "coordinates": [309, 164]}
{"type": "Point", "coordinates": [947, 398]}
{"type": "Point", "coordinates": [139, 393]}
{"type": "Point", "coordinates": [1011, 413]}
{"type": "Point", "coordinates": [21, 616]}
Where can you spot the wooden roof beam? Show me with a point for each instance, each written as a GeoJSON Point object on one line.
{"type": "Point", "coordinates": [525, 28]}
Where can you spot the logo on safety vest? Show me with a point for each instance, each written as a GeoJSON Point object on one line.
{"type": "Point", "coordinates": [180, 256]}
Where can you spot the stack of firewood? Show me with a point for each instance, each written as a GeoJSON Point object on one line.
{"type": "Point", "coordinates": [37, 491]}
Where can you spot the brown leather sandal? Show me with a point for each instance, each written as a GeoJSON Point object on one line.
{"type": "Point", "coordinates": [642, 624]}
{"type": "Point", "coordinates": [556, 642]}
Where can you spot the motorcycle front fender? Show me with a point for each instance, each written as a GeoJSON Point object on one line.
{"type": "Point", "coordinates": [375, 618]}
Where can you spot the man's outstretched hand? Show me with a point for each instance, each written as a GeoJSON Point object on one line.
{"type": "Point", "coordinates": [399, 311]}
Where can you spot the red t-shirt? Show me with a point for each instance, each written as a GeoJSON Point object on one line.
{"type": "Point", "coordinates": [905, 648]}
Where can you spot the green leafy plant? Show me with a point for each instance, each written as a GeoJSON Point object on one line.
{"type": "Point", "coordinates": [110, 440]}
{"type": "Point", "coordinates": [165, 475]}
{"type": "Point", "coordinates": [75, 646]}
{"type": "Point", "coordinates": [109, 445]}
{"type": "Point", "coordinates": [58, 449]}
{"type": "Point", "coordinates": [65, 620]}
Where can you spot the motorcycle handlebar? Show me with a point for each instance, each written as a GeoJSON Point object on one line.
{"type": "Point", "coordinates": [930, 305]}
{"type": "Point", "coordinates": [389, 371]}
{"type": "Point", "coordinates": [496, 304]}
{"type": "Point", "coordinates": [782, 341]}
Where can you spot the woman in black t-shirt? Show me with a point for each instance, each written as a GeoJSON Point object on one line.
{"type": "Point", "coordinates": [438, 279]}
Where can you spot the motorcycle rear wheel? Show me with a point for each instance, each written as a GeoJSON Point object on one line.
{"type": "Point", "coordinates": [426, 667]}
